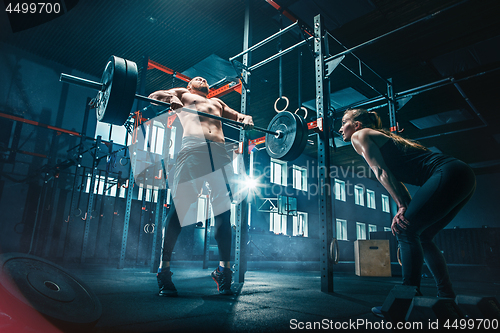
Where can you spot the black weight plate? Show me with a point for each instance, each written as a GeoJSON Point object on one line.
{"type": "Point", "coordinates": [104, 96]}
{"type": "Point", "coordinates": [286, 123]}
{"type": "Point", "coordinates": [49, 289]}
{"type": "Point", "coordinates": [120, 80]}
{"type": "Point", "coordinates": [301, 139]}
{"type": "Point", "coordinates": [128, 92]}
{"type": "Point", "coordinates": [294, 152]}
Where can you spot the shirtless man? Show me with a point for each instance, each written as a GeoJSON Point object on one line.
{"type": "Point", "coordinates": [202, 155]}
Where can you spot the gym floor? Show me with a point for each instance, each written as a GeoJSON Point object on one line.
{"type": "Point", "coordinates": [275, 298]}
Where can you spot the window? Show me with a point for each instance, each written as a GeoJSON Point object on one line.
{"type": "Point", "coordinates": [277, 223]}
{"type": "Point", "coordinates": [102, 186]}
{"type": "Point", "coordinates": [339, 190]}
{"type": "Point", "coordinates": [203, 209]}
{"type": "Point", "coordinates": [235, 213]}
{"type": "Point", "coordinates": [300, 227]}
{"type": "Point", "coordinates": [385, 204]}
{"type": "Point", "coordinates": [171, 150]}
{"type": "Point", "coordinates": [387, 229]}
{"type": "Point", "coordinates": [149, 193]}
{"type": "Point", "coordinates": [278, 172]}
{"type": "Point", "coordinates": [140, 191]}
{"type": "Point", "coordinates": [154, 193]}
{"type": "Point", "coordinates": [150, 137]}
{"type": "Point", "coordinates": [123, 190]}
{"type": "Point", "coordinates": [169, 196]}
{"type": "Point", "coordinates": [287, 205]}
{"type": "Point", "coordinates": [358, 195]}
{"type": "Point", "coordinates": [111, 132]}
{"type": "Point", "coordinates": [341, 229]}
{"type": "Point", "coordinates": [360, 230]}
{"type": "Point", "coordinates": [238, 164]}
{"type": "Point", "coordinates": [370, 199]}
{"type": "Point", "coordinates": [111, 186]}
{"type": "Point", "coordinates": [250, 172]}
{"type": "Point", "coordinates": [371, 228]}
{"type": "Point", "coordinates": [299, 178]}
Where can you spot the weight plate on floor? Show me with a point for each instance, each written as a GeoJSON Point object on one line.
{"type": "Point", "coordinates": [61, 297]}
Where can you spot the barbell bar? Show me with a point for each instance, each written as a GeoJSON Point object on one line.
{"type": "Point", "coordinates": [286, 134]}
{"type": "Point", "coordinates": [101, 87]}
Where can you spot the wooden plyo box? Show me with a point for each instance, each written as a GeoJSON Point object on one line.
{"type": "Point", "coordinates": [371, 257]}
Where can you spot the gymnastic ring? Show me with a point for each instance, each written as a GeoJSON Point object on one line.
{"type": "Point", "coordinates": [123, 163]}
{"type": "Point", "coordinates": [146, 228]}
{"type": "Point", "coordinates": [334, 251]}
{"type": "Point", "coordinates": [275, 104]}
{"type": "Point", "coordinates": [16, 229]}
{"type": "Point", "coordinates": [399, 256]}
{"type": "Point", "coordinates": [77, 212]}
{"type": "Point", "coordinates": [302, 108]}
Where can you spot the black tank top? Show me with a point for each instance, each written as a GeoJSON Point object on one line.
{"type": "Point", "coordinates": [412, 165]}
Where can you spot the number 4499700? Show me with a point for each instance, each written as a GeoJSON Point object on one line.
{"type": "Point", "coordinates": [33, 8]}
{"type": "Point", "coordinates": [471, 324]}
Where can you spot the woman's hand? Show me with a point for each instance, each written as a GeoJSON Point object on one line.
{"type": "Point", "coordinates": [399, 221]}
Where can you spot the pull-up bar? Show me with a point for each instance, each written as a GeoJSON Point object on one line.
{"type": "Point", "coordinates": [279, 54]}
{"type": "Point", "coordinates": [268, 39]}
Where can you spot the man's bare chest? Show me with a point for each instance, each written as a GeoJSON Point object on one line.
{"type": "Point", "coordinates": [202, 104]}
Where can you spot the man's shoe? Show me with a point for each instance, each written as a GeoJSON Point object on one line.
{"type": "Point", "coordinates": [167, 288]}
{"type": "Point", "coordinates": [377, 311]}
{"type": "Point", "coordinates": [223, 280]}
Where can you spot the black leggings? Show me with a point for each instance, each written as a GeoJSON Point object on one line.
{"type": "Point", "coordinates": [222, 234]}
{"type": "Point", "coordinates": [200, 161]}
{"type": "Point", "coordinates": [434, 205]}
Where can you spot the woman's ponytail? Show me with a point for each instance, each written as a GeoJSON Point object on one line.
{"type": "Point", "coordinates": [370, 119]}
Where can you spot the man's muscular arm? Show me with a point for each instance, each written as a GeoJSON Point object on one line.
{"type": "Point", "coordinates": [172, 96]}
{"type": "Point", "coordinates": [229, 113]}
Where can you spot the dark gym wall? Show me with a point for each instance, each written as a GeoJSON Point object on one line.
{"type": "Point", "coordinates": [30, 89]}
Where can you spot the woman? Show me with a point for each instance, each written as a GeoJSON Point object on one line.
{"type": "Point", "coordinates": [446, 184]}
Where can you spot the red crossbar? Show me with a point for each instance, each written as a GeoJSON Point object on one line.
{"type": "Point", "coordinates": [36, 123]}
{"type": "Point", "coordinates": [213, 92]}
{"type": "Point", "coordinates": [286, 13]}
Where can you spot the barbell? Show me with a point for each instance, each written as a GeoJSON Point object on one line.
{"type": "Point", "coordinates": [286, 135]}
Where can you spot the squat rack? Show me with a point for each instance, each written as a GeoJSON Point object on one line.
{"type": "Point", "coordinates": [324, 66]}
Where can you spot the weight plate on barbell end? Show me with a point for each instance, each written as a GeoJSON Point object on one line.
{"type": "Point", "coordinates": [292, 143]}
{"type": "Point", "coordinates": [59, 296]}
{"type": "Point", "coordinates": [301, 144]}
{"type": "Point", "coordinates": [116, 100]}
{"type": "Point", "coordinates": [285, 123]}
{"type": "Point", "coordinates": [130, 89]}
{"type": "Point", "coordinates": [298, 146]}
{"type": "Point", "coordinates": [104, 96]}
